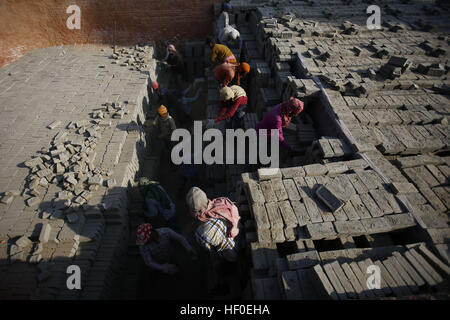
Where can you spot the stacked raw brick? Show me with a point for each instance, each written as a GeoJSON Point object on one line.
{"type": "Point", "coordinates": [79, 217]}
{"type": "Point", "coordinates": [376, 93]}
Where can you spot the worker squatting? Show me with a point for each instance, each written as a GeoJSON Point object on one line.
{"type": "Point", "coordinates": [213, 153]}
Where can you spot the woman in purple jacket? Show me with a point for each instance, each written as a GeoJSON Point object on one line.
{"type": "Point", "coordinates": [280, 116]}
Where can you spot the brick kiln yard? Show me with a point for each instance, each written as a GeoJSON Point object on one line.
{"type": "Point", "coordinates": [375, 133]}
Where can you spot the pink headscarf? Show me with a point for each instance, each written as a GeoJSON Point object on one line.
{"type": "Point", "coordinates": [290, 109]}
{"type": "Point", "coordinates": [221, 208]}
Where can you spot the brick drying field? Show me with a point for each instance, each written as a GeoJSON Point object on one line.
{"type": "Point", "coordinates": [369, 183]}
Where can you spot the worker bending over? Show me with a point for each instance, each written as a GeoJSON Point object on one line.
{"type": "Point", "coordinates": [233, 103]}
{"type": "Point", "coordinates": [227, 72]}
{"type": "Point", "coordinates": [219, 219]}
{"type": "Point", "coordinates": [156, 247]}
{"type": "Point", "coordinates": [219, 54]}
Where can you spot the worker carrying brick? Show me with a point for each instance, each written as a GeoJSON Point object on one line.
{"type": "Point", "coordinates": [157, 248]}
{"type": "Point", "coordinates": [227, 72]}
{"type": "Point", "coordinates": [219, 54]}
{"type": "Point", "coordinates": [233, 104]}
{"type": "Point", "coordinates": [166, 125]}
{"type": "Point", "coordinates": [280, 116]}
{"type": "Point", "coordinates": [219, 219]}
{"type": "Point", "coordinates": [159, 204]}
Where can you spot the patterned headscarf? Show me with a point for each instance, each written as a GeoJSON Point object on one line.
{"type": "Point", "coordinates": [143, 233]}
{"type": "Point", "coordinates": [290, 109]}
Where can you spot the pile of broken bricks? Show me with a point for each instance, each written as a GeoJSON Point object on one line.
{"type": "Point", "coordinates": [137, 58]}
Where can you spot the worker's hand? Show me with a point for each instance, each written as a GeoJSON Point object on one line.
{"type": "Point", "coordinates": [234, 232]}
{"type": "Point", "coordinates": [170, 268]}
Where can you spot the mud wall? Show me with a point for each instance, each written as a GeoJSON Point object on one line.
{"type": "Point", "coordinates": [29, 24]}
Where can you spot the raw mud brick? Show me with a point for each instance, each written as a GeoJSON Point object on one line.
{"type": "Point", "coordinates": [400, 221]}
{"type": "Point", "coordinates": [291, 189]}
{"type": "Point", "coordinates": [325, 148]}
{"type": "Point", "coordinates": [403, 187]}
{"type": "Point", "coordinates": [421, 177]}
{"type": "Point", "coordinates": [376, 225]}
{"type": "Point", "coordinates": [321, 230]}
{"type": "Point", "coordinates": [336, 145]}
{"type": "Point", "coordinates": [357, 164]}
{"type": "Point", "coordinates": [312, 209]}
{"type": "Point", "coordinates": [406, 291]}
{"type": "Point", "coordinates": [268, 173]}
{"type": "Point", "coordinates": [336, 168]}
{"type": "Point", "coordinates": [264, 236]}
{"type": "Point", "coordinates": [361, 276]}
{"type": "Point", "coordinates": [256, 195]}
{"type": "Point", "coordinates": [441, 178]}
{"type": "Point", "coordinates": [370, 178]}
{"type": "Point", "coordinates": [357, 183]}
{"type": "Point", "coordinates": [302, 186]}
{"type": "Point", "coordinates": [349, 290]}
{"type": "Point", "coordinates": [415, 198]}
{"type": "Point", "coordinates": [392, 201]}
{"type": "Point", "coordinates": [260, 216]}
{"type": "Point", "coordinates": [315, 170]}
{"type": "Point", "coordinates": [359, 207]}
{"type": "Point", "coordinates": [292, 172]}
{"type": "Point", "coordinates": [412, 258]}
{"type": "Point", "coordinates": [443, 194]}
{"type": "Point", "coordinates": [435, 261]}
{"type": "Point", "coordinates": [327, 197]}
{"type": "Point", "coordinates": [381, 201]}
{"type": "Point", "coordinates": [279, 190]}
{"type": "Point", "coordinates": [350, 211]}
{"type": "Point", "coordinates": [434, 201]}
{"type": "Point", "coordinates": [404, 274]}
{"type": "Point", "coordinates": [289, 234]}
{"type": "Point", "coordinates": [267, 190]}
{"type": "Point", "coordinates": [364, 265]}
{"type": "Point", "coordinates": [341, 187]}
{"type": "Point", "coordinates": [276, 222]}
{"type": "Point", "coordinates": [371, 206]}
{"type": "Point", "coordinates": [302, 260]}
{"type": "Point", "coordinates": [300, 213]}
{"type": "Point", "coordinates": [353, 228]}
{"type": "Point", "coordinates": [289, 218]}
{"type": "Point", "coordinates": [388, 284]}
{"type": "Point", "coordinates": [320, 276]}
{"type": "Point", "coordinates": [291, 285]}
{"type": "Point", "coordinates": [359, 290]}
{"type": "Point", "coordinates": [432, 218]}
{"type": "Point", "coordinates": [335, 281]}
{"type": "Point", "coordinates": [409, 268]}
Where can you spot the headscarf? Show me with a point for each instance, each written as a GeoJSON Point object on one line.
{"type": "Point", "coordinates": [290, 109]}
{"type": "Point", "coordinates": [143, 233]}
{"type": "Point", "coordinates": [171, 47]}
{"type": "Point", "coordinates": [227, 7]}
{"type": "Point", "coordinates": [204, 209]}
{"type": "Point", "coordinates": [243, 68]}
